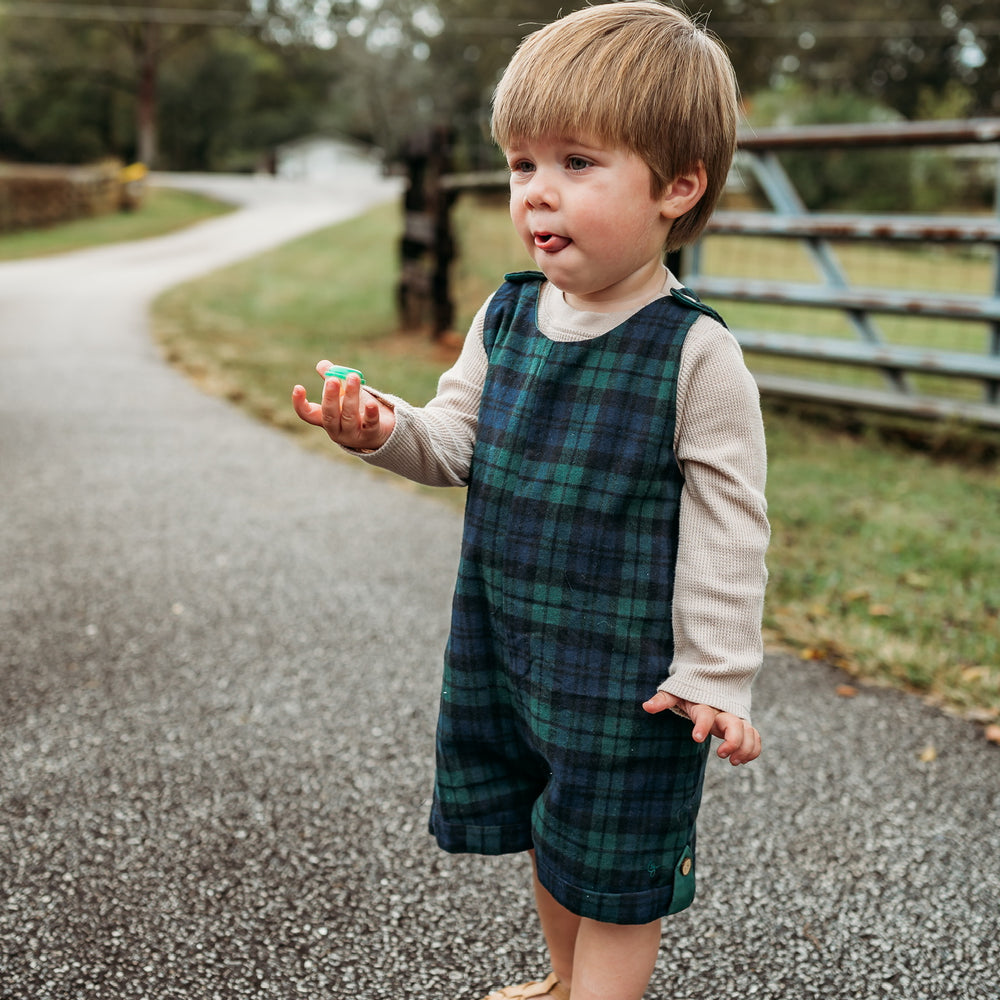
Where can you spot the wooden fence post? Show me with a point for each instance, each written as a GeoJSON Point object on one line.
{"type": "Point", "coordinates": [427, 247]}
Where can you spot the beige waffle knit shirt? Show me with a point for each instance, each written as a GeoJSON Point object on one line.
{"type": "Point", "coordinates": [719, 446]}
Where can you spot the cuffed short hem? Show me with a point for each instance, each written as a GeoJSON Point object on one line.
{"type": "Point", "coordinates": [461, 838]}
{"type": "Point", "coordinates": [623, 908]}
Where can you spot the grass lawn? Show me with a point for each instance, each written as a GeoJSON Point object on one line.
{"type": "Point", "coordinates": [885, 558]}
{"type": "Point", "coordinates": [163, 210]}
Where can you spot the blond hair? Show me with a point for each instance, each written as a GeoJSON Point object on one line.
{"type": "Point", "coordinates": [640, 75]}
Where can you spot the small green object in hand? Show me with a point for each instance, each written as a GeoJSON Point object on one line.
{"type": "Point", "coordinates": [339, 371]}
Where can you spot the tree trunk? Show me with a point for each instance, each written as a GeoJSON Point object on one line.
{"type": "Point", "coordinates": [146, 131]}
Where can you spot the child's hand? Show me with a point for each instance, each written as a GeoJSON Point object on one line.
{"type": "Point", "coordinates": [355, 418]}
{"type": "Point", "coordinates": [740, 741]}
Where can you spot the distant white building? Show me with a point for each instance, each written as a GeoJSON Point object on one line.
{"type": "Point", "coordinates": [322, 158]}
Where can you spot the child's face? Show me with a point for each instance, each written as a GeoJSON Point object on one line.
{"type": "Point", "coordinates": [587, 216]}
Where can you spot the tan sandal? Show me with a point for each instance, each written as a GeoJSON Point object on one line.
{"type": "Point", "coordinates": [549, 986]}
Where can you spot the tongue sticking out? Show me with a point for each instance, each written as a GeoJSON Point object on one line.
{"type": "Point", "coordinates": [550, 242]}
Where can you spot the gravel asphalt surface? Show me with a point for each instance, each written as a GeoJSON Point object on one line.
{"type": "Point", "coordinates": [219, 659]}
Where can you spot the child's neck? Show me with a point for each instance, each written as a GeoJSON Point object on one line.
{"type": "Point", "coordinates": [623, 300]}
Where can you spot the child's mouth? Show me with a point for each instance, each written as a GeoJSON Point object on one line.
{"type": "Point", "coordinates": [551, 243]}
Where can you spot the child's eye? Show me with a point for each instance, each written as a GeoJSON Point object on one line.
{"type": "Point", "coordinates": [521, 166]}
{"type": "Point", "coordinates": [577, 163]}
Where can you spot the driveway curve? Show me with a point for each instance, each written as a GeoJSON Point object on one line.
{"type": "Point", "coordinates": [218, 677]}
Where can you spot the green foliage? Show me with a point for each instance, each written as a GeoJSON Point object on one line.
{"type": "Point", "coordinates": [79, 124]}
{"type": "Point", "coordinates": [72, 90]}
{"type": "Point", "coordinates": [209, 104]}
{"type": "Point", "coordinates": [229, 86]}
{"type": "Point", "coordinates": [955, 100]}
{"type": "Point", "coordinates": [889, 52]}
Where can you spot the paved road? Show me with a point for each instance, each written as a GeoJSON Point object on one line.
{"type": "Point", "coordinates": [219, 671]}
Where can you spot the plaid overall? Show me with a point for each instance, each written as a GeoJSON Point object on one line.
{"type": "Point", "coordinates": [561, 623]}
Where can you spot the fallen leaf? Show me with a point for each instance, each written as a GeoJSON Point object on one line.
{"type": "Point", "coordinates": [993, 734]}
{"type": "Point", "coordinates": [928, 754]}
{"type": "Point", "coordinates": [977, 673]}
{"type": "Point", "coordinates": [847, 691]}
{"type": "Point", "coordinates": [879, 610]}
{"type": "Point", "coordinates": [983, 715]}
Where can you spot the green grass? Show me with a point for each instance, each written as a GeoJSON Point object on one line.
{"type": "Point", "coordinates": [251, 331]}
{"type": "Point", "coordinates": [884, 557]}
{"type": "Point", "coordinates": [886, 560]}
{"type": "Point", "coordinates": [163, 211]}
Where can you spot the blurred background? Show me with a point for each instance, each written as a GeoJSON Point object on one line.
{"type": "Point", "coordinates": [225, 84]}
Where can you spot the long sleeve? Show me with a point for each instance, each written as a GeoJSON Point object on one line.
{"type": "Point", "coordinates": [433, 444]}
{"type": "Point", "coordinates": [720, 575]}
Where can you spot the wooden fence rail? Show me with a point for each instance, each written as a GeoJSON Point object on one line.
{"type": "Point", "coordinates": [788, 219]}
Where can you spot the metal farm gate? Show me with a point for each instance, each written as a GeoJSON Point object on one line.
{"type": "Point", "coordinates": [864, 345]}
{"type": "Point", "coordinates": [940, 371]}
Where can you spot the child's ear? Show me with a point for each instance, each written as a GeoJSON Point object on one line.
{"type": "Point", "coordinates": [683, 193]}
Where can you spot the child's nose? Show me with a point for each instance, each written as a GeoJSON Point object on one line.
{"type": "Point", "coordinates": [541, 191]}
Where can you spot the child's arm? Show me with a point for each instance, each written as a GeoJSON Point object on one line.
{"type": "Point", "coordinates": [350, 415]}
{"type": "Point", "coordinates": [429, 444]}
{"type": "Point", "coordinates": [720, 574]}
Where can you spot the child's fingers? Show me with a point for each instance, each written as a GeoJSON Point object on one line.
{"type": "Point", "coordinates": [350, 416]}
{"type": "Point", "coordinates": [350, 402]}
{"type": "Point", "coordinates": [332, 405]}
{"type": "Point", "coordinates": [309, 412]}
{"type": "Point", "coordinates": [660, 702]}
{"type": "Point", "coordinates": [741, 741]}
{"type": "Point", "coordinates": [705, 719]}
{"type": "Point", "coordinates": [372, 416]}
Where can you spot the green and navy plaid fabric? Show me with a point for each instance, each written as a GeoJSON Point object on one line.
{"type": "Point", "coordinates": [561, 622]}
